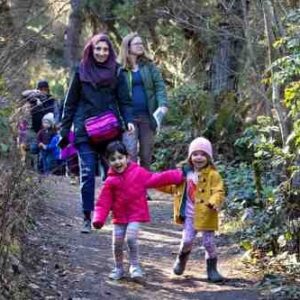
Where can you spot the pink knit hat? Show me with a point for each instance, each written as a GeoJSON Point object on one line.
{"type": "Point", "coordinates": [203, 144]}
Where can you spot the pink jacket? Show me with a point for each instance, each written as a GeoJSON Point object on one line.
{"type": "Point", "coordinates": [125, 194]}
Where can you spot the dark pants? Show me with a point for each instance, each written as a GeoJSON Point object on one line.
{"type": "Point", "coordinates": [88, 165]}
{"type": "Point", "coordinates": [140, 143]}
{"type": "Point", "coordinates": [46, 161]}
{"type": "Point", "coordinates": [72, 165]}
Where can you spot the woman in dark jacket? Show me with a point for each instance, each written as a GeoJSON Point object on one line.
{"type": "Point", "coordinates": [97, 86]}
{"type": "Point", "coordinates": [148, 92]}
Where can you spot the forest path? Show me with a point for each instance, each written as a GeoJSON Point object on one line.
{"type": "Point", "coordinates": [65, 264]}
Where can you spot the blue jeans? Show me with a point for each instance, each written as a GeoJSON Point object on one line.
{"type": "Point", "coordinates": [87, 173]}
{"type": "Point", "coordinates": [88, 167]}
{"type": "Point", "coordinates": [46, 161]}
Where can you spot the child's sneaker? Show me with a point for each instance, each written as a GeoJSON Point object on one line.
{"type": "Point", "coordinates": [135, 272]}
{"type": "Point", "coordinates": [116, 274]}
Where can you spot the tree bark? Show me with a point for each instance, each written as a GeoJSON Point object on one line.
{"type": "Point", "coordinates": [269, 24]}
{"type": "Point", "coordinates": [72, 35]}
{"type": "Point", "coordinates": [225, 63]}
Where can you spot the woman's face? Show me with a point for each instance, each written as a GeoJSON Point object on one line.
{"type": "Point", "coordinates": [136, 46]}
{"type": "Point", "coordinates": [101, 51]}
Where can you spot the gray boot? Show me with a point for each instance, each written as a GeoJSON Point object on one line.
{"type": "Point", "coordinates": [180, 262]}
{"type": "Point", "coordinates": [212, 273]}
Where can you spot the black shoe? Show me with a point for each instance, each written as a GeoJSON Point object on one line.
{"type": "Point", "coordinates": [180, 263]}
{"type": "Point", "coordinates": [212, 273]}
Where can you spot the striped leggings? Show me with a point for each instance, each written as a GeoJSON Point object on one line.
{"type": "Point", "coordinates": [189, 234]}
{"type": "Point", "coordinates": [129, 230]}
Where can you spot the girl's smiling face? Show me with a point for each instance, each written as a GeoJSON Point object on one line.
{"type": "Point", "coordinates": [199, 159]}
{"type": "Point", "coordinates": [118, 162]}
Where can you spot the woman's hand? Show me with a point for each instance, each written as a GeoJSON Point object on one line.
{"type": "Point", "coordinates": [42, 146]}
{"type": "Point", "coordinates": [130, 127]}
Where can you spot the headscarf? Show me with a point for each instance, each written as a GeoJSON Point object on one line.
{"type": "Point", "coordinates": [94, 72]}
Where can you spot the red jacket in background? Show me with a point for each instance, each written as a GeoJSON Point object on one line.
{"type": "Point", "coordinates": [125, 194]}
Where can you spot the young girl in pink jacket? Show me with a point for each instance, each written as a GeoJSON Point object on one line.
{"type": "Point", "coordinates": [124, 194]}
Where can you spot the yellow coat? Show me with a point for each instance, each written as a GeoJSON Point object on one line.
{"type": "Point", "coordinates": [210, 190]}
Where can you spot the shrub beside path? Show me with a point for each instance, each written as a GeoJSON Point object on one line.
{"type": "Point", "coordinates": [65, 264]}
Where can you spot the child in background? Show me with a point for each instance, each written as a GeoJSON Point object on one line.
{"type": "Point", "coordinates": [196, 205]}
{"type": "Point", "coordinates": [56, 164]}
{"type": "Point", "coordinates": [124, 193]}
{"type": "Point", "coordinates": [44, 137]}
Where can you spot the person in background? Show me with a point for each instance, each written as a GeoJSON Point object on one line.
{"type": "Point", "coordinates": [56, 163]}
{"type": "Point", "coordinates": [148, 92]}
{"type": "Point", "coordinates": [41, 103]}
{"type": "Point", "coordinates": [44, 138]}
{"type": "Point", "coordinates": [196, 205]}
{"type": "Point", "coordinates": [97, 86]}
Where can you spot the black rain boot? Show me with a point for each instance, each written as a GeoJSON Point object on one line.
{"type": "Point", "coordinates": [212, 273]}
{"type": "Point", "coordinates": [180, 263]}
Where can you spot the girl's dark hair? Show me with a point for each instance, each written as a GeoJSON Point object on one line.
{"type": "Point", "coordinates": [115, 146]}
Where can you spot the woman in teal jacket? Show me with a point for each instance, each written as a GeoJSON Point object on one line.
{"type": "Point", "coordinates": [148, 92]}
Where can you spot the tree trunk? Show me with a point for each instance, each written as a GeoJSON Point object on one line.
{"type": "Point", "coordinates": [72, 35]}
{"type": "Point", "coordinates": [269, 24]}
{"type": "Point", "coordinates": [223, 73]}
{"type": "Point", "coordinates": [260, 102]}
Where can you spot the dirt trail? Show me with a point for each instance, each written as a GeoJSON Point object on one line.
{"type": "Point", "coordinates": [66, 264]}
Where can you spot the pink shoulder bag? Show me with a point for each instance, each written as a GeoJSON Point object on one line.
{"type": "Point", "coordinates": [103, 127]}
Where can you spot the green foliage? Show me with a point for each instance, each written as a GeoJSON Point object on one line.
{"type": "Point", "coordinates": [166, 156]}
{"type": "Point", "coordinates": [270, 229]}
{"type": "Point", "coordinates": [57, 78]}
{"type": "Point", "coordinates": [288, 67]}
{"type": "Point", "coordinates": [240, 188]}
{"type": "Point", "coordinates": [195, 111]}
{"type": "Point", "coordinates": [126, 12]}
{"type": "Point", "coordinates": [260, 141]}
{"type": "Point", "coordinates": [191, 107]}
{"type": "Point", "coordinates": [6, 139]}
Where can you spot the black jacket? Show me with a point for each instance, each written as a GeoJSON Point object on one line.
{"type": "Point", "coordinates": [85, 100]}
{"type": "Point", "coordinates": [40, 106]}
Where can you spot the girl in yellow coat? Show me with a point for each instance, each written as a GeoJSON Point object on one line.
{"type": "Point", "coordinates": [196, 205]}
